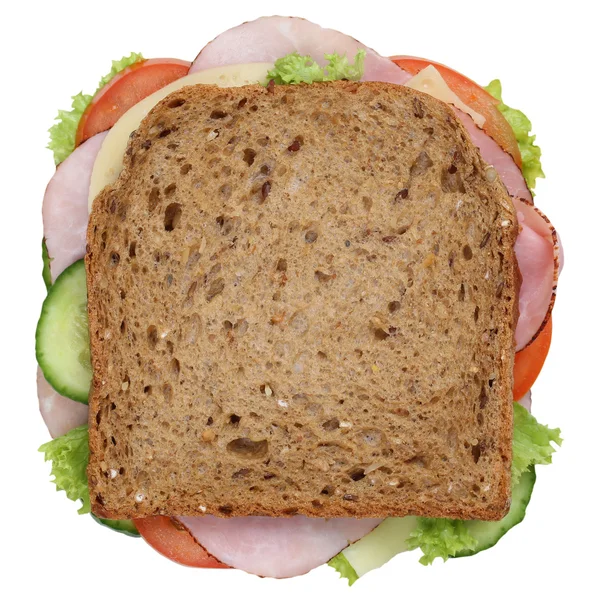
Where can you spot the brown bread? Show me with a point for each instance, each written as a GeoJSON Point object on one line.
{"type": "Point", "coordinates": [302, 300]}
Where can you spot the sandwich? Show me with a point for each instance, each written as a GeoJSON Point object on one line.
{"type": "Point", "coordinates": [298, 305]}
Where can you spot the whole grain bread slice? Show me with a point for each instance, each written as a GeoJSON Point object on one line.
{"type": "Point", "coordinates": [302, 300]}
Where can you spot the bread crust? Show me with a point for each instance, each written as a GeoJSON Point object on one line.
{"type": "Point", "coordinates": [302, 300]}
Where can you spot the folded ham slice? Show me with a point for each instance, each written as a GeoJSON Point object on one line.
{"type": "Point", "coordinates": [276, 547]}
{"type": "Point", "coordinates": [539, 256]}
{"type": "Point", "coordinates": [270, 38]}
{"type": "Point", "coordinates": [64, 210]}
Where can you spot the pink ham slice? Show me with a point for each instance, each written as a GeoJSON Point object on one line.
{"type": "Point", "coordinates": [65, 208]}
{"type": "Point", "coordinates": [538, 254]}
{"type": "Point", "coordinates": [270, 38]}
{"type": "Point", "coordinates": [59, 413]}
{"type": "Point", "coordinates": [276, 547]}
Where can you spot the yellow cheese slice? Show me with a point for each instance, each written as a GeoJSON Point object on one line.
{"type": "Point", "coordinates": [109, 161]}
{"type": "Point", "coordinates": [429, 81]}
{"type": "Point", "coordinates": [382, 544]}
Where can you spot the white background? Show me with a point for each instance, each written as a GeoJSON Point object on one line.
{"type": "Point", "coordinates": [546, 58]}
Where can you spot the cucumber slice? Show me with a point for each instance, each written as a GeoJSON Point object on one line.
{"type": "Point", "coordinates": [122, 526]}
{"type": "Point", "coordinates": [487, 533]}
{"type": "Point", "coordinates": [62, 338]}
{"type": "Point", "coordinates": [46, 268]}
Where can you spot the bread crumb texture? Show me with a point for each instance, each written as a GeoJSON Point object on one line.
{"type": "Point", "coordinates": [302, 301]}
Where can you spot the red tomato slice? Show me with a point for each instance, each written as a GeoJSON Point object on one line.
{"type": "Point", "coordinates": [126, 89]}
{"type": "Point", "coordinates": [530, 360]}
{"type": "Point", "coordinates": [176, 543]}
{"type": "Point", "coordinates": [496, 126]}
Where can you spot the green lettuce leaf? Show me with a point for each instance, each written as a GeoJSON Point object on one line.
{"type": "Point", "coordinates": [531, 442]}
{"type": "Point", "coordinates": [343, 567]}
{"type": "Point", "coordinates": [339, 68]}
{"type": "Point", "coordinates": [70, 455]}
{"type": "Point", "coordinates": [62, 133]}
{"type": "Point", "coordinates": [521, 125]}
{"type": "Point", "coordinates": [118, 66]}
{"type": "Point", "coordinates": [294, 68]}
{"type": "Point", "coordinates": [440, 538]}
